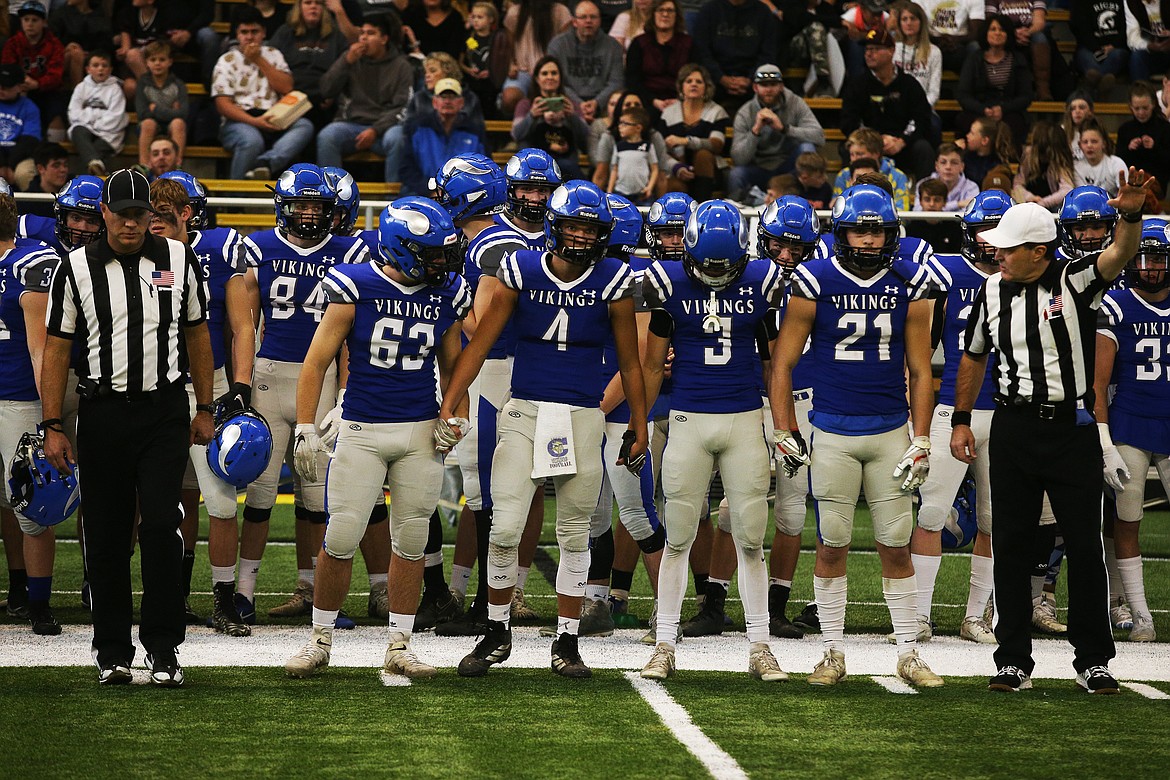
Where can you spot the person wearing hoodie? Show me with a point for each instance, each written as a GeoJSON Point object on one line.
{"type": "Point", "coordinates": [97, 114]}
{"type": "Point", "coordinates": [594, 63]}
{"type": "Point", "coordinates": [732, 39]}
{"type": "Point", "coordinates": [20, 121]}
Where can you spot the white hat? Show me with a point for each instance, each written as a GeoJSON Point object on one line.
{"type": "Point", "coordinates": [1023, 223]}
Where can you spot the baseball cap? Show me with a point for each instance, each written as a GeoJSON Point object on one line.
{"type": "Point", "coordinates": [448, 85]}
{"type": "Point", "coordinates": [32, 7]}
{"type": "Point", "coordinates": [880, 37]}
{"type": "Point", "coordinates": [1023, 223]}
{"type": "Point", "coordinates": [11, 75]}
{"type": "Point", "coordinates": [768, 73]}
{"type": "Point", "coordinates": [126, 189]}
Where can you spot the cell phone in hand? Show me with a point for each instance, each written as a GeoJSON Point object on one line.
{"type": "Point", "coordinates": [554, 103]}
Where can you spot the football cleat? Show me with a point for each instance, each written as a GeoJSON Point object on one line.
{"type": "Point", "coordinates": [225, 617]}
{"type": "Point", "coordinates": [1143, 629]}
{"type": "Point", "coordinates": [622, 618]}
{"type": "Point", "coordinates": [596, 619]}
{"type": "Point", "coordinates": [300, 603]}
{"type": "Point", "coordinates": [116, 673]}
{"type": "Point", "coordinates": [473, 622]}
{"type": "Point", "coordinates": [438, 607]}
{"type": "Point", "coordinates": [494, 648]}
{"type": "Point", "coordinates": [165, 671]}
{"type": "Point", "coordinates": [246, 608]}
{"type": "Point", "coordinates": [1121, 617]}
{"type": "Point", "coordinates": [830, 670]}
{"type": "Point", "coordinates": [566, 660]}
{"type": "Point", "coordinates": [974, 629]}
{"type": "Point", "coordinates": [780, 626]}
{"type": "Point", "coordinates": [15, 610]}
{"type": "Point", "coordinates": [521, 610]}
{"type": "Point", "coordinates": [914, 670]}
{"type": "Point", "coordinates": [808, 620]}
{"type": "Point", "coordinates": [1098, 679]}
{"type": "Point", "coordinates": [43, 621]}
{"type": "Point", "coordinates": [400, 659]}
{"type": "Point", "coordinates": [1044, 615]}
{"type": "Point", "coordinates": [925, 632]}
{"type": "Point", "coordinates": [311, 657]}
{"type": "Point", "coordinates": [378, 604]}
{"type": "Point", "coordinates": [710, 620]}
{"type": "Point", "coordinates": [661, 663]}
{"type": "Point", "coordinates": [763, 665]}
{"type": "Point", "coordinates": [1010, 679]}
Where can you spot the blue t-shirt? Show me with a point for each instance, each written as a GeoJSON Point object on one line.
{"type": "Point", "coordinates": [1139, 414]}
{"type": "Point", "coordinates": [18, 117]}
{"type": "Point", "coordinates": [961, 281]}
{"type": "Point", "coordinates": [221, 256]}
{"type": "Point", "coordinates": [22, 269]}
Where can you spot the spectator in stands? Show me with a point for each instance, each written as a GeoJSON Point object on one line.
{"type": "Point", "coordinates": [592, 61]}
{"type": "Point", "coordinates": [655, 57]}
{"type": "Point", "coordinates": [486, 56]}
{"type": "Point", "coordinates": [1163, 96]}
{"type": "Point", "coordinates": [943, 235]}
{"type": "Point", "coordinates": [429, 26]}
{"type": "Point", "coordinates": [348, 15]}
{"type": "Point", "coordinates": [611, 10]}
{"type": "Point", "coordinates": [779, 186]}
{"type": "Point", "coordinates": [548, 120]}
{"type": "Point", "coordinates": [189, 31]}
{"type": "Point", "coordinates": [1098, 165]}
{"type": "Point", "coordinates": [949, 170]}
{"type": "Point", "coordinates": [988, 144]}
{"type": "Point", "coordinates": [248, 80]}
{"type": "Point", "coordinates": [20, 121]}
{"type": "Point", "coordinates": [372, 84]}
{"type": "Point", "coordinates": [633, 165]}
{"type": "Point", "coordinates": [954, 26]}
{"type": "Point", "coordinates": [732, 39]}
{"type": "Point", "coordinates": [161, 102]}
{"type": "Point", "coordinates": [995, 81]}
{"type": "Point", "coordinates": [1144, 140]}
{"type": "Point", "coordinates": [42, 58]}
{"type": "Point", "coordinates": [1078, 109]}
{"type": "Point", "coordinates": [694, 131]}
{"type": "Point", "coordinates": [532, 24]}
{"type": "Point", "coordinates": [812, 183]}
{"type": "Point", "coordinates": [1099, 29]}
{"type": "Point", "coordinates": [866, 142]}
{"type": "Point", "coordinates": [604, 136]}
{"type": "Point", "coordinates": [771, 131]}
{"type": "Point", "coordinates": [97, 114]}
{"type": "Point", "coordinates": [1046, 170]}
{"type": "Point", "coordinates": [891, 102]}
{"type": "Point", "coordinates": [164, 157]}
{"type": "Point", "coordinates": [914, 53]}
{"type": "Point", "coordinates": [803, 41]}
{"type": "Point", "coordinates": [1149, 41]}
{"type": "Point", "coordinates": [82, 27]}
{"type": "Point", "coordinates": [52, 167]}
{"type": "Point", "coordinates": [311, 43]}
{"type": "Point", "coordinates": [1030, 18]}
{"type": "Point", "coordinates": [858, 21]}
{"type": "Point", "coordinates": [437, 137]}
{"type": "Point", "coordinates": [631, 23]}
{"type": "Point", "coordinates": [272, 15]}
{"type": "Point", "coordinates": [135, 27]}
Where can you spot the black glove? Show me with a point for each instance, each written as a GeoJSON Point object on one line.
{"type": "Point", "coordinates": [235, 400]}
{"type": "Point", "coordinates": [634, 466]}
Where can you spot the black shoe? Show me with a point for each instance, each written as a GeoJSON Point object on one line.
{"type": "Point", "coordinates": [808, 620]}
{"type": "Point", "coordinates": [1098, 679]}
{"type": "Point", "coordinates": [15, 608]}
{"type": "Point", "coordinates": [1012, 679]}
{"type": "Point", "coordinates": [566, 660]}
{"type": "Point", "coordinates": [474, 622]}
{"type": "Point", "coordinates": [115, 673]}
{"type": "Point", "coordinates": [164, 669]}
{"type": "Point", "coordinates": [436, 608]}
{"type": "Point", "coordinates": [494, 648]}
{"type": "Point", "coordinates": [711, 619]}
{"type": "Point", "coordinates": [225, 618]}
{"type": "Point", "coordinates": [43, 622]}
{"type": "Point", "coordinates": [192, 618]}
{"type": "Point", "coordinates": [781, 626]}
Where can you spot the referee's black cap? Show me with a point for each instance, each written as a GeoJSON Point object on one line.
{"type": "Point", "coordinates": [126, 189]}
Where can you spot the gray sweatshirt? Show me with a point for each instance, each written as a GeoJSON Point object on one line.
{"type": "Point", "coordinates": [770, 148]}
{"type": "Point", "coordinates": [592, 70]}
{"type": "Point", "coordinates": [370, 92]}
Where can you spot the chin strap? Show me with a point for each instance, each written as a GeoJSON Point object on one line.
{"type": "Point", "coordinates": [712, 323]}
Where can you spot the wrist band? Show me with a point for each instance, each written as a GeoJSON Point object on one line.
{"type": "Point", "coordinates": [1132, 217]}
{"type": "Point", "coordinates": [53, 424]}
{"type": "Point", "coordinates": [960, 418]}
{"type": "Point", "coordinates": [205, 408]}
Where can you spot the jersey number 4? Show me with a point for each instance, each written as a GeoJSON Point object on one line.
{"type": "Point", "coordinates": [857, 323]}
{"type": "Point", "coordinates": [387, 338]}
{"type": "Point", "coordinates": [284, 305]}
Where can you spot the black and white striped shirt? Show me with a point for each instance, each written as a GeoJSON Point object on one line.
{"type": "Point", "coordinates": [1043, 331]}
{"type": "Point", "coordinates": [128, 311]}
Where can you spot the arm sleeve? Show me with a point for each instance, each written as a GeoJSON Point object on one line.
{"type": "Point", "coordinates": [978, 338]}
{"type": "Point", "coordinates": [61, 314]}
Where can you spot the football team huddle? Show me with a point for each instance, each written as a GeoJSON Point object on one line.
{"type": "Point", "coordinates": [509, 322]}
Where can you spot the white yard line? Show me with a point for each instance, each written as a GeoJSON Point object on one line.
{"type": "Point", "coordinates": [678, 721]}
{"type": "Point", "coordinates": [394, 680]}
{"type": "Point", "coordinates": [1149, 691]}
{"type": "Point", "coordinates": [893, 684]}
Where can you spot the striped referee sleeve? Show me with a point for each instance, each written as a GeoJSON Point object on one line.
{"type": "Point", "coordinates": [61, 313]}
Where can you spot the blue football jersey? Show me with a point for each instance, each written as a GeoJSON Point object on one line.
{"type": "Point", "coordinates": [858, 335]}
{"type": "Point", "coordinates": [961, 281]}
{"type": "Point", "coordinates": [621, 412]}
{"type": "Point", "coordinates": [803, 372]}
{"type": "Point", "coordinates": [370, 239]}
{"type": "Point", "coordinates": [562, 327]}
{"type": "Point", "coordinates": [719, 372]}
{"type": "Point", "coordinates": [1141, 369]}
{"type": "Point", "coordinates": [291, 296]}
{"type": "Point", "coordinates": [22, 269]}
{"type": "Point", "coordinates": [43, 229]}
{"type": "Point", "coordinates": [914, 249]}
{"type": "Point", "coordinates": [485, 252]}
{"type": "Point", "coordinates": [396, 330]}
{"type": "Point", "coordinates": [221, 256]}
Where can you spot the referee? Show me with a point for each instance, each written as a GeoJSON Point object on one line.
{"type": "Point", "coordinates": [1039, 316]}
{"type": "Point", "coordinates": [135, 304]}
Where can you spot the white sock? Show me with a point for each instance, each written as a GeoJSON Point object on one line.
{"type": "Point", "coordinates": [1130, 572]}
{"type": "Point", "coordinates": [982, 583]}
{"type": "Point", "coordinates": [925, 574]}
{"type": "Point", "coordinates": [1117, 590]}
{"type": "Point", "coordinates": [378, 579]}
{"type": "Point", "coordinates": [597, 592]}
{"type": "Point", "coordinates": [246, 585]}
{"type": "Point", "coordinates": [901, 599]}
{"type": "Point", "coordinates": [830, 594]}
{"type": "Point", "coordinates": [568, 625]}
{"type": "Point", "coordinates": [753, 591]}
{"type": "Point", "coordinates": [223, 574]}
{"type": "Point", "coordinates": [306, 575]}
{"type": "Point", "coordinates": [324, 618]}
{"type": "Point", "coordinates": [672, 586]}
{"type": "Point", "coordinates": [500, 613]}
{"type": "Point", "coordinates": [521, 576]}
{"type": "Point", "coordinates": [401, 627]}
{"type": "Point", "coordinates": [433, 559]}
{"type": "Point", "coordinates": [460, 576]}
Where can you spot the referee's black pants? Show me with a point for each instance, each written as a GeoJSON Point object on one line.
{"type": "Point", "coordinates": [1030, 456]}
{"type": "Point", "coordinates": [131, 455]}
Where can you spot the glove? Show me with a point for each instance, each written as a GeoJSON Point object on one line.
{"type": "Point", "coordinates": [1116, 472]}
{"type": "Point", "coordinates": [915, 464]}
{"type": "Point", "coordinates": [450, 432]}
{"type": "Point", "coordinates": [235, 400]}
{"type": "Point", "coordinates": [791, 450]}
{"type": "Point", "coordinates": [633, 465]}
{"type": "Point", "coordinates": [305, 451]}
{"type": "Point", "coordinates": [331, 425]}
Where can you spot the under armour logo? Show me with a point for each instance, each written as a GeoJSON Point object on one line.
{"type": "Point", "coordinates": [328, 259]}
{"type": "Point", "coordinates": [436, 299]}
{"type": "Point", "coordinates": [890, 289]}
{"type": "Point", "coordinates": [745, 291]}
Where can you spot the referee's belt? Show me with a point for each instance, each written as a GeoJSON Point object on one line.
{"type": "Point", "coordinates": [90, 390]}
{"type": "Point", "coordinates": [1058, 410]}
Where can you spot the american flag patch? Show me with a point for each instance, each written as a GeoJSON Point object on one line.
{"type": "Point", "coordinates": [162, 278]}
{"type": "Point", "coordinates": [1055, 305]}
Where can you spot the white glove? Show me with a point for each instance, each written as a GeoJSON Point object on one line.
{"type": "Point", "coordinates": [331, 425]}
{"type": "Point", "coordinates": [449, 432]}
{"type": "Point", "coordinates": [305, 451]}
{"type": "Point", "coordinates": [791, 451]}
{"type": "Point", "coordinates": [1116, 472]}
{"type": "Point", "coordinates": [915, 464]}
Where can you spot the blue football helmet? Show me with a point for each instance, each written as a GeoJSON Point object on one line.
{"type": "Point", "coordinates": [1085, 206]}
{"type": "Point", "coordinates": [39, 492]}
{"type": "Point", "coordinates": [1149, 269]}
{"type": "Point", "coordinates": [303, 185]}
{"type": "Point", "coordinates": [984, 211]}
{"type": "Point", "coordinates": [241, 448]}
{"type": "Point", "coordinates": [668, 216]}
{"type": "Point", "coordinates": [470, 185]}
{"type": "Point", "coordinates": [961, 524]}
{"type": "Point", "coordinates": [534, 167]}
{"type": "Point", "coordinates": [5, 187]}
{"type": "Point", "coordinates": [345, 212]}
{"type": "Point", "coordinates": [82, 194]}
{"type": "Point", "coordinates": [715, 243]}
{"type": "Point", "coordinates": [196, 193]}
{"type": "Point", "coordinates": [417, 237]}
{"type": "Point", "coordinates": [865, 206]}
{"type": "Point", "coordinates": [792, 222]}
{"type": "Point", "coordinates": [627, 227]}
{"type": "Point", "coordinates": [583, 203]}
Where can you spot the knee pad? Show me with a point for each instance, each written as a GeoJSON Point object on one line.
{"type": "Point", "coordinates": [308, 515]}
{"type": "Point", "coordinates": [253, 514]}
{"type": "Point", "coordinates": [501, 566]}
{"type": "Point", "coordinates": [572, 573]}
{"type": "Point", "coordinates": [409, 540]}
{"type": "Point", "coordinates": [380, 513]}
{"type": "Point", "coordinates": [601, 557]}
{"type": "Point", "coordinates": [654, 542]}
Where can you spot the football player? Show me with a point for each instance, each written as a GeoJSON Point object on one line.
{"type": "Point", "coordinates": [288, 263]}
{"type": "Point", "coordinates": [869, 318]}
{"type": "Point", "coordinates": [78, 218]}
{"type": "Point", "coordinates": [564, 303]}
{"type": "Point", "coordinates": [1135, 424]}
{"type": "Point", "coordinates": [400, 318]}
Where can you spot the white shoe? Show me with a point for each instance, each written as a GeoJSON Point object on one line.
{"type": "Point", "coordinates": [1143, 629]}
{"type": "Point", "coordinates": [925, 633]}
{"type": "Point", "coordinates": [520, 607]}
{"type": "Point", "coordinates": [1044, 615]}
{"type": "Point", "coordinates": [975, 630]}
{"type": "Point", "coordinates": [1121, 617]}
{"type": "Point", "coordinates": [914, 670]}
{"type": "Point", "coordinates": [400, 659]}
{"type": "Point", "coordinates": [661, 663]}
{"type": "Point", "coordinates": [311, 657]}
{"type": "Point", "coordinates": [830, 670]}
{"type": "Point", "coordinates": [763, 665]}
